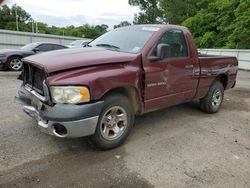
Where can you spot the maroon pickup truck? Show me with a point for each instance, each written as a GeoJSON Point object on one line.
{"type": "Point", "coordinates": [129, 71]}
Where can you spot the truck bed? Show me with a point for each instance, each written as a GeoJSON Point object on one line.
{"type": "Point", "coordinates": [213, 65]}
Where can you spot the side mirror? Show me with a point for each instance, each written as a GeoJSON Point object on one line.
{"type": "Point", "coordinates": [36, 50]}
{"type": "Point", "coordinates": [162, 51]}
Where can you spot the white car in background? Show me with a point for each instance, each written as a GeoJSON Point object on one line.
{"type": "Point", "coordinates": [79, 43]}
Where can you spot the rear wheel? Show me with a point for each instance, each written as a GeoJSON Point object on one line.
{"type": "Point", "coordinates": [15, 64]}
{"type": "Point", "coordinates": [115, 122]}
{"type": "Point", "coordinates": [211, 103]}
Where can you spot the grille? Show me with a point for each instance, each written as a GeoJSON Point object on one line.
{"type": "Point", "coordinates": [34, 77]}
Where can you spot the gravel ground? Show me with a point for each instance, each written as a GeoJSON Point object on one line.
{"type": "Point", "coordinates": [175, 147]}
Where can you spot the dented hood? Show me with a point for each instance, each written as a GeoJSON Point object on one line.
{"type": "Point", "coordinates": [75, 58]}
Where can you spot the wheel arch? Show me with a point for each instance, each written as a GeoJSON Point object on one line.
{"type": "Point", "coordinates": [130, 92]}
{"type": "Point", "coordinates": [14, 55]}
{"type": "Point", "coordinates": [223, 78]}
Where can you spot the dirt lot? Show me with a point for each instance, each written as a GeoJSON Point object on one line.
{"type": "Point", "coordinates": [176, 147]}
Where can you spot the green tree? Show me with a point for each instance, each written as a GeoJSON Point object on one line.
{"type": "Point", "coordinates": [25, 22]}
{"type": "Point", "coordinates": [222, 24]}
{"type": "Point", "coordinates": [176, 11]}
{"type": "Point", "coordinates": [122, 24]}
{"type": "Point", "coordinates": [166, 11]}
{"type": "Point", "coordinates": [5, 16]}
{"type": "Point", "coordinates": [240, 37]}
{"type": "Point", "coordinates": [214, 23]}
{"type": "Point", "coordinates": [8, 18]}
{"type": "Point", "coordinates": [93, 32]}
{"type": "Point", "coordinates": [151, 12]}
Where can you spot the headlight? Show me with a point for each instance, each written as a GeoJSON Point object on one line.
{"type": "Point", "coordinates": [69, 94]}
{"type": "Point", "coordinates": [2, 55]}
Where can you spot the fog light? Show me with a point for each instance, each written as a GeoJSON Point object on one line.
{"type": "Point", "coordinates": [60, 130]}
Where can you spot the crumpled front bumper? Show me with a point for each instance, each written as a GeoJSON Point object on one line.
{"type": "Point", "coordinates": [61, 120]}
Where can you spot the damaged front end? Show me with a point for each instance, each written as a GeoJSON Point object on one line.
{"type": "Point", "coordinates": [60, 120]}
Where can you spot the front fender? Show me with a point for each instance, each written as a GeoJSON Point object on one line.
{"type": "Point", "coordinates": [100, 79]}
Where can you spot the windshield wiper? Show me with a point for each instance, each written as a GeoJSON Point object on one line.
{"type": "Point", "coordinates": [108, 45]}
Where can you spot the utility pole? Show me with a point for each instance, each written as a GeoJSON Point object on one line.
{"type": "Point", "coordinates": [63, 36]}
{"type": "Point", "coordinates": [37, 28]}
{"type": "Point", "coordinates": [32, 25]}
{"type": "Point", "coordinates": [17, 27]}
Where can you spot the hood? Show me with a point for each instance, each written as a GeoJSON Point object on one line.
{"type": "Point", "coordinates": [73, 58]}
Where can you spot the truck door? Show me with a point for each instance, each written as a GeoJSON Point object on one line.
{"type": "Point", "coordinates": [171, 80]}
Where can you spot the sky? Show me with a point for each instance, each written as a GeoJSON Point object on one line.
{"type": "Point", "coordinates": [78, 12]}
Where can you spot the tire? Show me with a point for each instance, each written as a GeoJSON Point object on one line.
{"type": "Point", "coordinates": [14, 64]}
{"type": "Point", "coordinates": [212, 102]}
{"type": "Point", "coordinates": [115, 122]}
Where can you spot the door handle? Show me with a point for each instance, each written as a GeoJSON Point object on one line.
{"type": "Point", "coordinates": [189, 66]}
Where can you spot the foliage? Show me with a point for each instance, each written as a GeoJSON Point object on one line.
{"type": "Point", "coordinates": [214, 23]}
{"type": "Point", "coordinates": [8, 18]}
{"type": "Point", "coordinates": [122, 24]}
{"type": "Point", "coordinates": [224, 23]}
{"type": "Point", "coordinates": [26, 23]}
{"type": "Point", "coordinates": [175, 11]}
{"type": "Point", "coordinates": [151, 12]}
{"type": "Point", "coordinates": [166, 11]}
{"type": "Point", "coordinates": [240, 35]}
{"type": "Point", "coordinates": [92, 31]}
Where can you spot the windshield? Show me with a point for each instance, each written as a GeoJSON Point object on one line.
{"type": "Point", "coordinates": [29, 46]}
{"type": "Point", "coordinates": [130, 40]}
{"type": "Point", "coordinates": [76, 43]}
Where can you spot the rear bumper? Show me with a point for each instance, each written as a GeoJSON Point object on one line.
{"type": "Point", "coordinates": [61, 120]}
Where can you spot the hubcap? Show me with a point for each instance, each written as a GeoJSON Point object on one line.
{"type": "Point", "coordinates": [16, 64]}
{"type": "Point", "coordinates": [217, 98]}
{"type": "Point", "coordinates": [114, 123]}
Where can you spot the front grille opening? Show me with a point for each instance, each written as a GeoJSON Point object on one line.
{"type": "Point", "coordinates": [38, 78]}
{"type": "Point", "coordinates": [34, 77]}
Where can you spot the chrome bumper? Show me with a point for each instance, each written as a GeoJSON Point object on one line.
{"type": "Point", "coordinates": [79, 128]}
{"type": "Point", "coordinates": [61, 120]}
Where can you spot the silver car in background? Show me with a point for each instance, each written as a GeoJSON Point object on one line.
{"type": "Point", "coordinates": [79, 44]}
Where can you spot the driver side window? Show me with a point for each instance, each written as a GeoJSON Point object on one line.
{"type": "Point", "coordinates": [176, 43]}
{"type": "Point", "coordinates": [45, 47]}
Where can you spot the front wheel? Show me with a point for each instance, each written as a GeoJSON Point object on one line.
{"type": "Point", "coordinates": [115, 122]}
{"type": "Point", "coordinates": [211, 103]}
{"type": "Point", "coordinates": [15, 64]}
